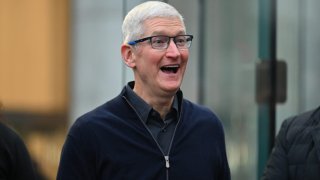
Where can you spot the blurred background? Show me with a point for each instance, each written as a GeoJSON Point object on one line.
{"type": "Point", "coordinates": [61, 58]}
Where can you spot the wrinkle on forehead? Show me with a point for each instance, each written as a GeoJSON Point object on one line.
{"type": "Point", "coordinates": [163, 26]}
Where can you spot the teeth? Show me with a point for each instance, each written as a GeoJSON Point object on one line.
{"type": "Point", "coordinates": [170, 68]}
{"type": "Point", "coordinates": [173, 66]}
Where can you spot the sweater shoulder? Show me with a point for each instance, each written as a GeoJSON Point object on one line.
{"type": "Point", "coordinates": [200, 113]}
{"type": "Point", "coordinates": [198, 109]}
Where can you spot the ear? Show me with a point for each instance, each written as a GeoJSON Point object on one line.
{"type": "Point", "coordinates": [128, 55]}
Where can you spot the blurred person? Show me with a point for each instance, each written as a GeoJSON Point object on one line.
{"type": "Point", "coordinates": [149, 131]}
{"type": "Point", "coordinates": [15, 161]}
{"type": "Point", "coordinates": [296, 154]}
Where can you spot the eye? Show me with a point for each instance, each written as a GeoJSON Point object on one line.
{"type": "Point", "coordinates": [181, 40]}
{"type": "Point", "coordinates": [158, 40]}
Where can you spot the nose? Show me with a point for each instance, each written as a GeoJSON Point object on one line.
{"type": "Point", "coordinates": [172, 50]}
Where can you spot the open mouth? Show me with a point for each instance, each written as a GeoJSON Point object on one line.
{"type": "Point", "coordinates": [170, 68]}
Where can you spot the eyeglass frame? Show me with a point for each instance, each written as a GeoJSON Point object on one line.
{"type": "Point", "coordinates": [188, 42]}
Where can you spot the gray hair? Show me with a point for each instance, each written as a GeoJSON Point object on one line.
{"type": "Point", "coordinates": [132, 26]}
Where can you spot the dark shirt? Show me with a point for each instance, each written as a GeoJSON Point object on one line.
{"type": "Point", "coordinates": [15, 162]}
{"type": "Point", "coordinates": [161, 129]}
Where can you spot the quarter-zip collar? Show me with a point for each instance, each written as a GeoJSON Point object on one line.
{"type": "Point", "coordinates": [144, 109]}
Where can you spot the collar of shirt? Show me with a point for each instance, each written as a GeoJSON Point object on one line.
{"type": "Point", "coordinates": [143, 109]}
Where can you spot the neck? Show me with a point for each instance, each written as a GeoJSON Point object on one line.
{"type": "Point", "coordinates": [161, 104]}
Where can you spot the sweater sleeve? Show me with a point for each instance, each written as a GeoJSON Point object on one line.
{"type": "Point", "coordinates": [277, 168]}
{"type": "Point", "coordinates": [78, 156]}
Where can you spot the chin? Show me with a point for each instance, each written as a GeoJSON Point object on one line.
{"type": "Point", "coordinates": [171, 88]}
{"type": "Point", "coordinates": [170, 85]}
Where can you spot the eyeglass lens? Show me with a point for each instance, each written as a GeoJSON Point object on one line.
{"type": "Point", "coordinates": [162, 42]}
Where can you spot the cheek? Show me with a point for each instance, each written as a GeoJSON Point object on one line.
{"type": "Point", "coordinates": [150, 56]}
{"type": "Point", "coordinates": [152, 60]}
{"type": "Point", "coordinates": [185, 56]}
{"type": "Point", "coordinates": [147, 64]}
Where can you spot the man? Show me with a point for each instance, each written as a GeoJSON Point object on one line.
{"type": "Point", "coordinates": [149, 131]}
{"type": "Point", "coordinates": [15, 161]}
{"type": "Point", "coordinates": [296, 154]}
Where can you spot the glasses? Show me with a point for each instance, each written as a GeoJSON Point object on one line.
{"type": "Point", "coordinates": [162, 42]}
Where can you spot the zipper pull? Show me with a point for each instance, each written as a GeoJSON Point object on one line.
{"type": "Point", "coordinates": [167, 161]}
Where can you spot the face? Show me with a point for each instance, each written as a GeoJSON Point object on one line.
{"type": "Point", "coordinates": [159, 72]}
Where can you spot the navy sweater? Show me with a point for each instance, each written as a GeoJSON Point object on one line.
{"type": "Point", "coordinates": [112, 142]}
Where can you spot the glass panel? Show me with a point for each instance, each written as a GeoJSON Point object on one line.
{"type": "Point", "coordinates": [230, 56]}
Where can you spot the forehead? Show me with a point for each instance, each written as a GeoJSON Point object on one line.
{"type": "Point", "coordinates": [163, 26]}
